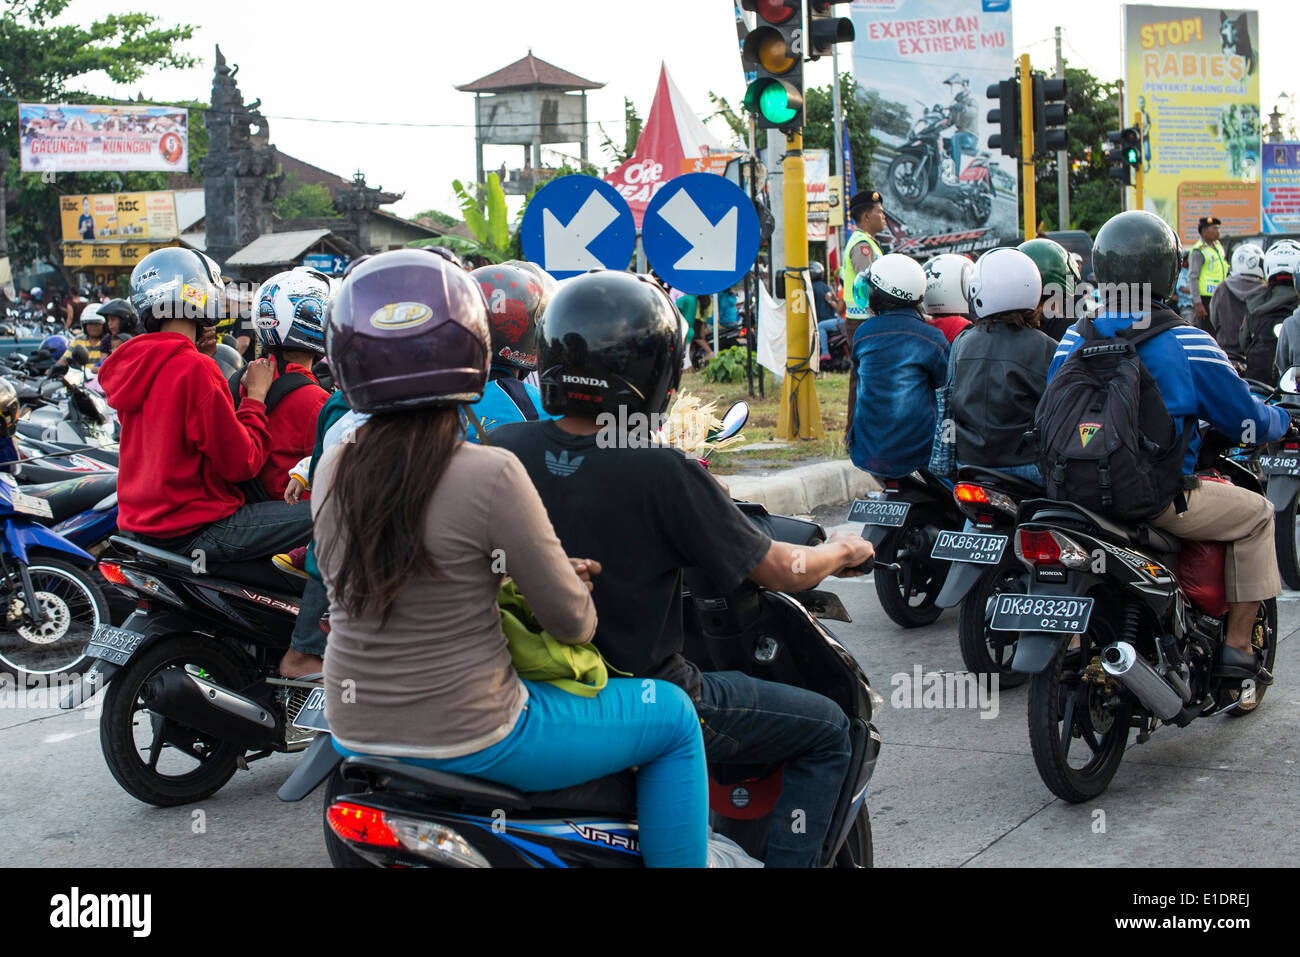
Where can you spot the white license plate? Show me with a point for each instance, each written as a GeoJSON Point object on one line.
{"type": "Point", "coordinates": [311, 716]}
{"type": "Point", "coordinates": [975, 548]}
{"type": "Point", "coordinates": [1051, 613]}
{"type": "Point", "coordinates": [1280, 464]}
{"type": "Point", "coordinates": [113, 644]}
{"type": "Point", "coordinates": [874, 511]}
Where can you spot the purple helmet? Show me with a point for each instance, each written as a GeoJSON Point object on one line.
{"type": "Point", "coordinates": [405, 330]}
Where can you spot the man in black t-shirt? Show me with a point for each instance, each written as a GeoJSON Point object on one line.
{"type": "Point", "coordinates": [645, 513]}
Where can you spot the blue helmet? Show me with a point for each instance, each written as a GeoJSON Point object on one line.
{"type": "Point", "coordinates": [56, 346]}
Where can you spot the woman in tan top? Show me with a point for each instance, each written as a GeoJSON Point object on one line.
{"type": "Point", "coordinates": [416, 530]}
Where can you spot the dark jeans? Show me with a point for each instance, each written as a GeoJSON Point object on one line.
{"type": "Point", "coordinates": [261, 530]}
{"type": "Point", "coordinates": [749, 721]}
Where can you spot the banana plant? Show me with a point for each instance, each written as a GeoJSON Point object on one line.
{"type": "Point", "coordinates": [483, 207]}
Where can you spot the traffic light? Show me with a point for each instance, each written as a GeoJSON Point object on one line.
{"type": "Point", "coordinates": [774, 49]}
{"type": "Point", "coordinates": [825, 29]}
{"type": "Point", "coordinates": [1126, 153]}
{"type": "Point", "coordinates": [1006, 117]}
{"type": "Point", "coordinates": [1050, 114]}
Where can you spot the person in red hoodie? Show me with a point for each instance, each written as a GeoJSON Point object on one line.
{"type": "Point", "coordinates": [184, 447]}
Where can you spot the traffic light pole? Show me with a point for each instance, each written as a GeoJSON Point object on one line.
{"type": "Point", "coordinates": [1027, 147]}
{"type": "Point", "coordinates": [800, 414]}
{"type": "Point", "coordinates": [1137, 194]}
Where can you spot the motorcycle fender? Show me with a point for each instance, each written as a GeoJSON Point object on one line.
{"type": "Point", "coordinates": [89, 684]}
{"type": "Point", "coordinates": [22, 534]}
{"type": "Point", "coordinates": [316, 764]}
{"type": "Point", "coordinates": [1034, 651]}
{"type": "Point", "coordinates": [875, 534]}
{"type": "Point", "coordinates": [962, 577]}
{"type": "Point", "coordinates": [1282, 491]}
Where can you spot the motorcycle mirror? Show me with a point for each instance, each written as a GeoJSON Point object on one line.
{"type": "Point", "coordinates": [80, 355]}
{"type": "Point", "coordinates": [733, 421]}
{"type": "Point", "coordinates": [1288, 383]}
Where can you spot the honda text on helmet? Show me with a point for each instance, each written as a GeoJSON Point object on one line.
{"type": "Point", "coordinates": [609, 340]}
{"type": "Point", "coordinates": [289, 312]}
{"type": "Point", "coordinates": [516, 299]}
{"type": "Point", "coordinates": [1248, 260]}
{"type": "Point", "coordinates": [408, 330]}
{"type": "Point", "coordinates": [947, 285]}
{"type": "Point", "coordinates": [1005, 280]}
{"type": "Point", "coordinates": [176, 283]}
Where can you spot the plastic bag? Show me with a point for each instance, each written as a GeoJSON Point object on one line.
{"type": "Point", "coordinates": [724, 852]}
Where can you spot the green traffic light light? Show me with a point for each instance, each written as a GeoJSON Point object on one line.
{"type": "Point", "coordinates": [774, 104]}
{"type": "Point", "coordinates": [1133, 156]}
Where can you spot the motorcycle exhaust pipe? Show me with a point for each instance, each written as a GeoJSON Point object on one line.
{"type": "Point", "coordinates": [1122, 662]}
{"type": "Point", "coordinates": [197, 703]}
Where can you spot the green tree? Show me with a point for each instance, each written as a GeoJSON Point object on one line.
{"type": "Point", "coordinates": [632, 132]}
{"type": "Point", "coordinates": [738, 125]}
{"type": "Point", "coordinates": [1094, 196]}
{"type": "Point", "coordinates": [858, 107]}
{"type": "Point", "coordinates": [304, 201]}
{"type": "Point", "coordinates": [438, 218]}
{"type": "Point", "coordinates": [484, 208]}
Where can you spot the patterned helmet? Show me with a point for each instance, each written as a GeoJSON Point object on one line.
{"type": "Point", "coordinates": [516, 301]}
{"type": "Point", "coordinates": [290, 310]}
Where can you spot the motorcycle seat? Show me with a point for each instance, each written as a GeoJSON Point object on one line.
{"type": "Point", "coordinates": [74, 495]}
{"type": "Point", "coordinates": [259, 573]}
{"type": "Point", "coordinates": [1011, 484]}
{"type": "Point", "coordinates": [612, 794]}
{"type": "Point", "coordinates": [1142, 536]}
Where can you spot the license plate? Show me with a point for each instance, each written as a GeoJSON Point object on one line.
{"type": "Point", "coordinates": [311, 716]}
{"type": "Point", "coordinates": [973, 547]}
{"type": "Point", "coordinates": [113, 644]}
{"type": "Point", "coordinates": [1280, 464]}
{"type": "Point", "coordinates": [874, 511]}
{"type": "Point", "coordinates": [1042, 613]}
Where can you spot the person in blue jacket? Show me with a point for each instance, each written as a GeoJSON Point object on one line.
{"type": "Point", "coordinates": [1196, 379]}
{"type": "Point", "coordinates": [900, 361]}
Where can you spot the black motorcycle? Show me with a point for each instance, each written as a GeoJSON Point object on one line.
{"type": "Point", "coordinates": [190, 693]}
{"type": "Point", "coordinates": [916, 171]}
{"type": "Point", "coordinates": [1279, 466]}
{"type": "Point", "coordinates": [904, 522]}
{"type": "Point", "coordinates": [379, 812]}
{"type": "Point", "coordinates": [1119, 633]}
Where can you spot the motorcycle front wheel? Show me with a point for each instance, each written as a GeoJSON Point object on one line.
{"type": "Point", "coordinates": [907, 596]}
{"type": "Point", "coordinates": [981, 204]}
{"type": "Point", "coordinates": [1284, 541]}
{"type": "Point", "coordinates": [857, 850]}
{"type": "Point", "coordinates": [72, 605]}
{"type": "Point", "coordinates": [906, 180]}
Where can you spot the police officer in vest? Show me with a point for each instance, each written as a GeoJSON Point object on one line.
{"type": "Point", "coordinates": [1207, 266]}
{"type": "Point", "coordinates": [868, 216]}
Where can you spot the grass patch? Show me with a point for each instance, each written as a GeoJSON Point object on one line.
{"type": "Point", "coordinates": [832, 397]}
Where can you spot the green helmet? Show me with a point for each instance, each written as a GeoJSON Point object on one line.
{"type": "Point", "coordinates": [1053, 264]}
{"type": "Point", "coordinates": [1138, 247]}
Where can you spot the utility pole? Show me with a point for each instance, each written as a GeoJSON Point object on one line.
{"type": "Point", "coordinates": [1062, 156]}
{"type": "Point", "coordinates": [1119, 115]}
{"type": "Point", "coordinates": [1027, 147]}
{"type": "Point", "coordinates": [800, 413]}
{"type": "Point", "coordinates": [837, 146]}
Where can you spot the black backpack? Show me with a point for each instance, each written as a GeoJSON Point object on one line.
{"type": "Point", "coordinates": [1106, 440]}
{"type": "Point", "coordinates": [284, 383]}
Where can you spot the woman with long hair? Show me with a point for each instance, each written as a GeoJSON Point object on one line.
{"type": "Point", "coordinates": [416, 529]}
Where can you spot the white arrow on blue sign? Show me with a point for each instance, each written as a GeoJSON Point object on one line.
{"type": "Point", "coordinates": [576, 223]}
{"type": "Point", "coordinates": [700, 233]}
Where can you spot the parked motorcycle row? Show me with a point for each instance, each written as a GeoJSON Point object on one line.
{"type": "Point", "coordinates": [1115, 627]}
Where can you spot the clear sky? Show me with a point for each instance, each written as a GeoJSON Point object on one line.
{"type": "Point", "coordinates": [397, 62]}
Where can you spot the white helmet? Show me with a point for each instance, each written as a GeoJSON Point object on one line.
{"type": "Point", "coordinates": [947, 286]}
{"type": "Point", "coordinates": [290, 310]}
{"type": "Point", "coordinates": [1282, 259]}
{"type": "Point", "coordinates": [91, 314]}
{"type": "Point", "coordinates": [898, 276]}
{"type": "Point", "coordinates": [1005, 280]}
{"type": "Point", "coordinates": [1248, 260]}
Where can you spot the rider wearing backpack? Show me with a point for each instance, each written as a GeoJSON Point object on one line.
{"type": "Point", "coordinates": [1118, 423]}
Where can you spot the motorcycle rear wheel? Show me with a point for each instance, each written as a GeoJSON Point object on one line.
{"type": "Point", "coordinates": [1284, 541]}
{"type": "Point", "coordinates": [921, 578]}
{"type": "Point", "coordinates": [983, 650]}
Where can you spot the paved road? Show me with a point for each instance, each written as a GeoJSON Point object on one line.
{"type": "Point", "coordinates": [952, 788]}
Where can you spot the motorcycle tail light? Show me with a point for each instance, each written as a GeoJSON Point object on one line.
{"type": "Point", "coordinates": [1291, 446]}
{"type": "Point", "coordinates": [966, 492]}
{"type": "Point", "coordinates": [1036, 548]}
{"type": "Point", "coordinates": [113, 572]}
{"type": "Point", "coordinates": [361, 825]}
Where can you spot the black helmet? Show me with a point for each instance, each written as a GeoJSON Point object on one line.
{"type": "Point", "coordinates": [177, 283]}
{"type": "Point", "coordinates": [1138, 247]}
{"type": "Point", "coordinates": [122, 310]}
{"type": "Point", "coordinates": [609, 339]}
{"type": "Point", "coordinates": [8, 409]}
{"type": "Point", "coordinates": [228, 360]}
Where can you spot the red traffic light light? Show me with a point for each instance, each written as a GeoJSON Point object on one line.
{"type": "Point", "coordinates": [772, 11]}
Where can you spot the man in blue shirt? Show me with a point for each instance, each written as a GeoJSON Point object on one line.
{"type": "Point", "coordinates": [1196, 380]}
{"type": "Point", "coordinates": [900, 361]}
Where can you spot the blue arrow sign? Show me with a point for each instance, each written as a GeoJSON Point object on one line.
{"type": "Point", "coordinates": [576, 223]}
{"type": "Point", "coordinates": [700, 233]}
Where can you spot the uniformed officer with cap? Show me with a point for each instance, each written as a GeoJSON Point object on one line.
{"type": "Point", "coordinates": [1206, 268]}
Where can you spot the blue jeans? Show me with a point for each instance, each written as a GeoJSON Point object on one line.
{"type": "Point", "coordinates": [563, 739]}
{"type": "Point", "coordinates": [308, 638]}
{"type": "Point", "coordinates": [749, 721]}
{"type": "Point", "coordinates": [824, 329]}
{"type": "Point", "coordinates": [962, 142]}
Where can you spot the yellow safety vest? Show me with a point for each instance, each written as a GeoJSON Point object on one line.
{"type": "Point", "coordinates": [856, 310]}
{"type": "Point", "coordinates": [1213, 267]}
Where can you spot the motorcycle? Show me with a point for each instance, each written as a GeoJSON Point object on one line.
{"type": "Point", "coordinates": [1279, 466]}
{"type": "Point", "coordinates": [919, 169]}
{"type": "Point", "coordinates": [189, 679]}
{"type": "Point", "coordinates": [80, 417]}
{"type": "Point", "coordinates": [1148, 613]}
{"type": "Point", "coordinates": [904, 522]}
{"type": "Point", "coordinates": [982, 568]}
{"type": "Point", "coordinates": [380, 812]}
{"type": "Point", "coordinates": [728, 336]}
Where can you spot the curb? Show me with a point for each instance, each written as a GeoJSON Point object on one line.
{"type": "Point", "coordinates": [802, 490]}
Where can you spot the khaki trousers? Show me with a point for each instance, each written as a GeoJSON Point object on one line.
{"type": "Point", "coordinates": [1217, 512]}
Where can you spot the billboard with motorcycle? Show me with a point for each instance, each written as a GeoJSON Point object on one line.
{"type": "Point", "coordinates": [923, 67]}
{"type": "Point", "coordinates": [1193, 77]}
